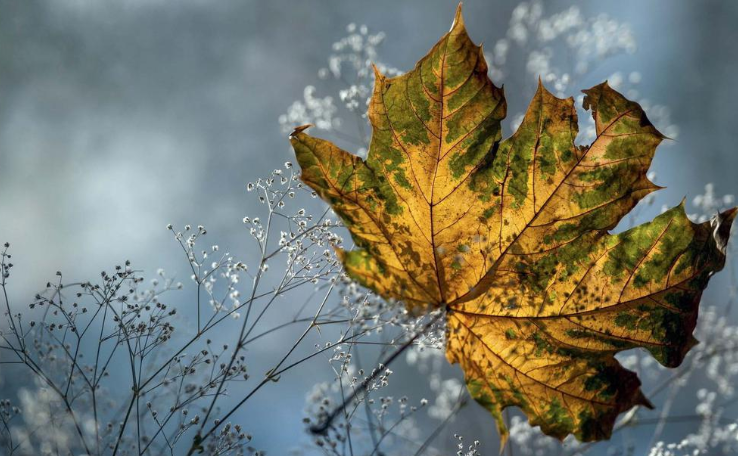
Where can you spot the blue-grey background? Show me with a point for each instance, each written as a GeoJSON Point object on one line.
{"type": "Point", "coordinates": [117, 118]}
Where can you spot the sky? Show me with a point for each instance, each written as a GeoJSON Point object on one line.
{"type": "Point", "coordinates": [117, 118]}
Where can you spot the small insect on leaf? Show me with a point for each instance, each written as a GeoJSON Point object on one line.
{"type": "Point", "coordinates": [512, 237]}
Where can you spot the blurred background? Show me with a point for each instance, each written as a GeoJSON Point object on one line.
{"type": "Point", "coordinates": [117, 118]}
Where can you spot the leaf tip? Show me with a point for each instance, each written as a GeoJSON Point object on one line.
{"type": "Point", "coordinates": [691, 343]}
{"type": "Point", "coordinates": [541, 90]}
{"type": "Point", "coordinates": [642, 400]}
{"type": "Point", "coordinates": [663, 136]}
{"type": "Point", "coordinates": [340, 253]}
{"type": "Point", "coordinates": [651, 187]}
{"type": "Point", "coordinates": [504, 434]}
{"type": "Point", "coordinates": [299, 130]}
{"type": "Point", "coordinates": [730, 214]}
{"type": "Point", "coordinates": [722, 223]}
{"type": "Point", "coordinates": [378, 76]}
{"type": "Point", "coordinates": [458, 23]}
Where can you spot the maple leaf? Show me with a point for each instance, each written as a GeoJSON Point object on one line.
{"type": "Point", "coordinates": [512, 237]}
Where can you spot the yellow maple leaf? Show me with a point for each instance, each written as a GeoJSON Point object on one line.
{"type": "Point", "coordinates": [512, 237]}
